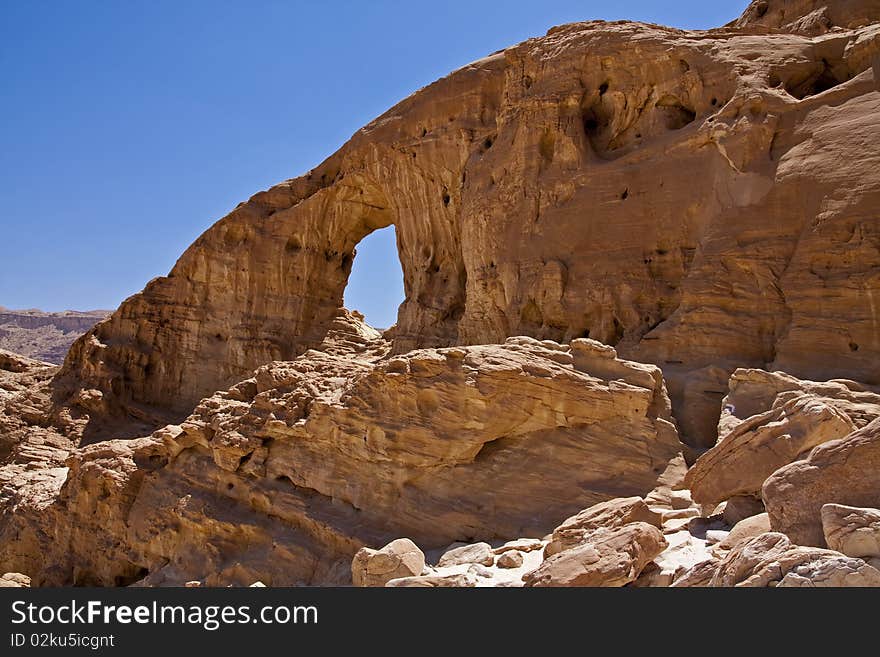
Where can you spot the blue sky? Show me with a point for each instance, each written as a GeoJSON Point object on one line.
{"type": "Point", "coordinates": [128, 128]}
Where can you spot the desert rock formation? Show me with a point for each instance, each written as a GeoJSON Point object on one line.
{"type": "Point", "coordinates": [44, 336]}
{"type": "Point", "coordinates": [642, 269]}
{"type": "Point", "coordinates": [548, 190]}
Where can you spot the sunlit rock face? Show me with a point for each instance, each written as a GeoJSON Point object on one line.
{"type": "Point", "coordinates": [606, 233]}
{"type": "Point", "coordinates": [700, 200]}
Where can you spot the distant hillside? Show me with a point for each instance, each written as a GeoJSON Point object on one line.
{"type": "Point", "coordinates": [44, 336]}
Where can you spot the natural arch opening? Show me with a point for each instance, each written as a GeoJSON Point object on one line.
{"type": "Point", "coordinates": [375, 284]}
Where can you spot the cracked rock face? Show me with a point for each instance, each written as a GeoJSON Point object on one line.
{"type": "Point", "coordinates": [548, 190]}
{"type": "Point", "coordinates": [844, 471]}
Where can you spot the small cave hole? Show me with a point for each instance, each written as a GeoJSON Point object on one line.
{"type": "Point", "coordinates": [618, 332]}
{"type": "Point", "coordinates": [487, 143]}
{"type": "Point", "coordinates": [590, 124]}
{"type": "Point", "coordinates": [853, 346]}
{"type": "Point", "coordinates": [446, 198]}
{"type": "Point", "coordinates": [230, 486]}
{"type": "Point", "coordinates": [714, 101]}
{"type": "Point", "coordinates": [603, 88]}
{"type": "Point", "coordinates": [625, 194]}
{"type": "Point", "coordinates": [424, 131]}
{"type": "Point", "coordinates": [675, 114]}
{"type": "Point", "coordinates": [822, 78]}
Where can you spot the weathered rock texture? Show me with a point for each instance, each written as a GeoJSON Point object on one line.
{"type": "Point", "coordinates": [845, 471]}
{"type": "Point", "coordinates": [752, 392]}
{"type": "Point", "coordinates": [809, 16]}
{"type": "Point", "coordinates": [610, 514]}
{"type": "Point", "coordinates": [772, 560]}
{"type": "Point", "coordinates": [751, 452]}
{"type": "Point", "coordinates": [548, 190]}
{"type": "Point", "coordinates": [293, 470]}
{"type": "Point", "coordinates": [852, 530]}
{"type": "Point", "coordinates": [703, 202]}
{"type": "Point", "coordinates": [607, 557]}
{"type": "Point", "coordinates": [400, 558]}
{"type": "Point", "coordinates": [44, 336]}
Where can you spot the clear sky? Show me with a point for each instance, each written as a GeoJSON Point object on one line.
{"type": "Point", "coordinates": [128, 128]}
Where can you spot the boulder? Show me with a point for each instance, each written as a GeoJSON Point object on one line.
{"type": "Point", "coordinates": [769, 559]}
{"type": "Point", "coordinates": [697, 576]}
{"type": "Point", "coordinates": [744, 458]}
{"type": "Point", "coordinates": [457, 580]}
{"type": "Point", "coordinates": [744, 530]}
{"type": "Point", "coordinates": [740, 507]}
{"type": "Point", "coordinates": [836, 571]}
{"type": "Point", "coordinates": [854, 531]}
{"type": "Point", "coordinates": [400, 558]}
{"type": "Point", "coordinates": [845, 471]}
{"type": "Point", "coordinates": [610, 514]}
{"type": "Point", "coordinates": [477, 553]}
{"type": "Point", "coordinates": [510, 559]}
{"type": "Point", "coordinates": [753, 391]}
{"type": "Point", "coordinates": [607, 557]}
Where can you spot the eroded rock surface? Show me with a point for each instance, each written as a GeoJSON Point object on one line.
{"type": "Point", "coordinates": [606, 557]}
{"type": "Point", "coordinates": [286, 475]}
{"type": "Point", "coordinates": [400, 558]}
{"type": "Point", "coordinates": [231, 424]}
{"type": "Point", "coordinates": [757, 447]}
{"type": "Point", "coordinates": [610, 514]}
{"type": "Point", "coordinates": [547, 190]}
{"type": "Point", "coordinates": [852, 530]}
{"type": "Point", "coordinates": [844, 471]}
{"type": "Point", "coordinates": [772, 560]}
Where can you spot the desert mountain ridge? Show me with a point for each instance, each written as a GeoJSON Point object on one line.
{"type": "Point", "coordinates": [639, 344]}
{"type": "Point", "coordinates": [42, 335]}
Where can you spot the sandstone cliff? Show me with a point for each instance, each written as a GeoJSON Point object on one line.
{"type": "Point", "coordinates": [608, 235]}
{"type": "Point", "coordinates": [700, 200]}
